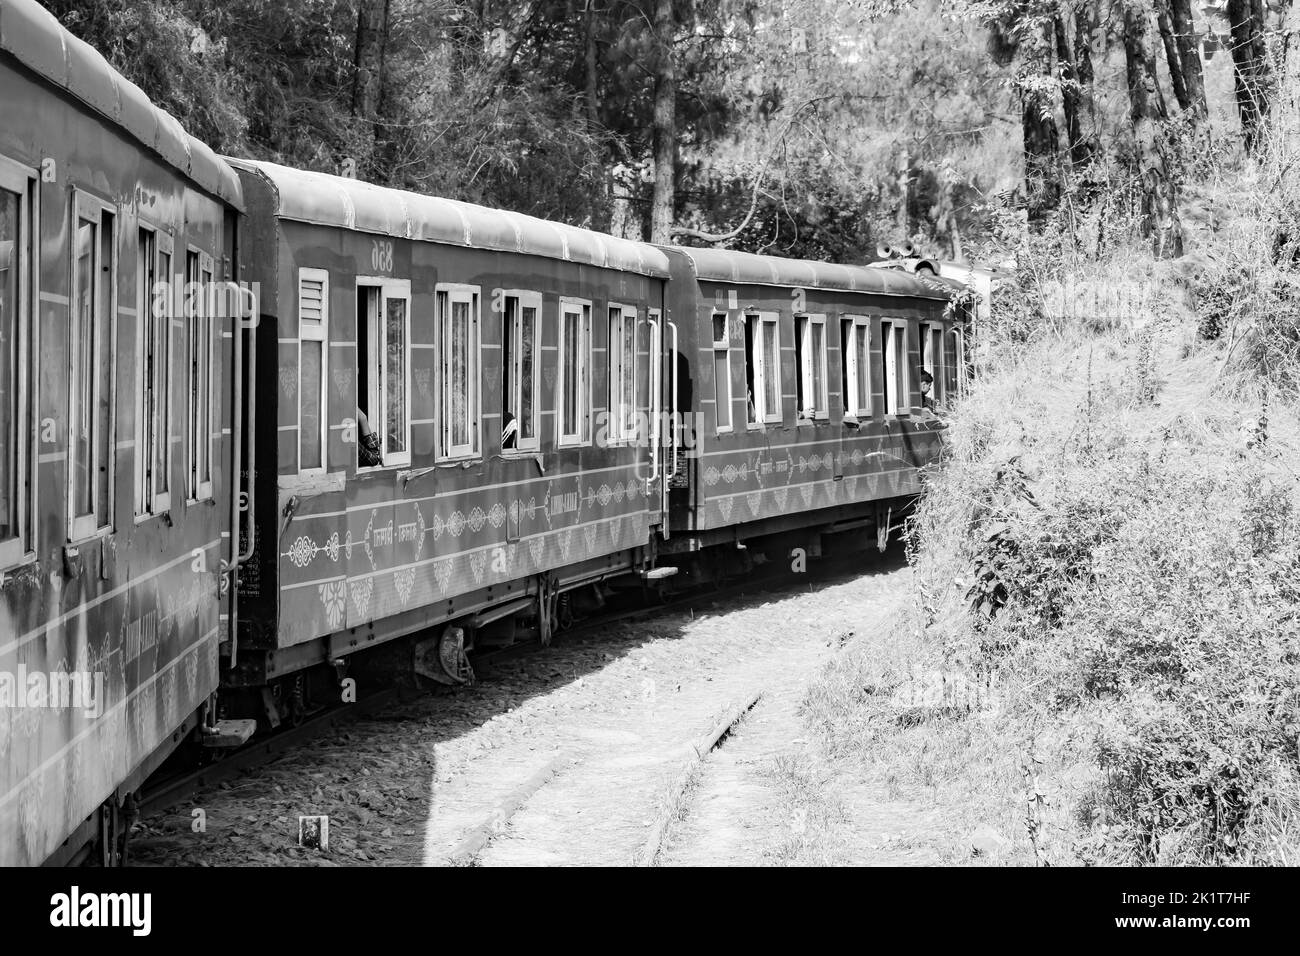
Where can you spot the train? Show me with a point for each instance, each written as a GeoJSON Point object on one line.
{"type": "Point", "coordinates": [255, 421]}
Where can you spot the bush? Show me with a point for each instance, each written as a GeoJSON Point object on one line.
{"type": "Point", "coordinates": [1132, 574]}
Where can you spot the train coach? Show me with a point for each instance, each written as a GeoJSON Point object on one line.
{"type": "Point", "coordinates": [800, 391]}
{"type": "Point", "coordinates": [469, 417]}
{"type": "Point", "coordinates": [455, 410]}
{"type": "Point", "coordinates": [115, 438]}
{"type": "Point", "coordinates": [440, 427]}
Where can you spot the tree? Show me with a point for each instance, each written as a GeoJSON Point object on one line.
{"type": "Point", "coordinates": [1074, 54]}
{"type": "Point", "coordinates": [665, 124]}
{"type": "Point", "coordinates": [1252, 80]}
{"type": "Point", "coordinates": [1189, 55]}
{"type": "Point", "coordinates": [369, 48]}
{"type": "Point", "coordinates": [1038, 121]}
{"type": "Point", "coordinates": [1173, 58]}
{"type": "Point", "coordinates": [369, 53]}
{"type": "Point", "coordinates": [1160, 222]}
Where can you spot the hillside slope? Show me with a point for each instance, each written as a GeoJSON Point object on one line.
{"type": "Point", "coordinates": [1102, 659]}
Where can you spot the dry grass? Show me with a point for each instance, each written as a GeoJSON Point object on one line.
{"type": "Point", "coordinates": [1100, 664]}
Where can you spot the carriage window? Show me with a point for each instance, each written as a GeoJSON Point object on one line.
{"type": "Point", "coordinates": [520, 328]}
{"type": "Point", "coordinates": [893, 351]}
{"type": "Point", "coordinates": [383, 373]}
{"type": "Point", "coordinates": [810, 359]}
{"type": "Point", "coordinates": [622, 374]}
{"type": "Point", "coordinates": [15, 330]}
{"type": "Point", "coordinates": [458, 342]}
{"type": "Point", "coordinates": [93, 294]}
{"type": "Point", "coordinates": [573, 388]}
{"type": "Point", "coordinates": [199, 369]}
{"type": "Point", "coordinates": [313, 358]}
{"type": "Point", "coordinates": [932, 358]}
{"type": "Point", "coordinates": [721, 372]}
{"type": "Point", "coordinates": [855, 347]}
{"type": "Point", "coordinates": [153, 372]}
{"type": "Point", "coordinates": [763, 367]}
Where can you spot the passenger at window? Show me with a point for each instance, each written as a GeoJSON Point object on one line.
{"type": "Point", "coordinates": [368, 454]}
{"type": "Point", "coordinates": [510, 432]}
{"type": "Point", "coordinates": [927, 385]}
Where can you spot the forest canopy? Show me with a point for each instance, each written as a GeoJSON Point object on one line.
{"type": "Point", "coordinates": [812, 128]}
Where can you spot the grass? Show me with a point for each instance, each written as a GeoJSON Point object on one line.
{"type": "Point", "coordinates": [1099, 664]}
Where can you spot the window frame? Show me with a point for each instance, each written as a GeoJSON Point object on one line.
{"type": "Point", "coordinates": [857, 325]}
{"type": "Point", "coordinates": [315, 332]}
{"type": "Point", "coordinates": [929, 330]}
{"type": "Point", "coordinates": [582, 437]}
{"type": "Point", "coordinates": [722, 349]}
{"type": "Point", "coordinates": [514, 328]}
{"type": "Point", "coordinates": [450, 293]}
{"type": "Point", "coordinates": [618, 431]}
{"type": "Point", "coordinates": [88, 526]}
{"type": "Point", "coordinates": [24, 181]}
{"type": "Point", "coordinates": [804, 324]}
{"type": "Point", "coordinates": [200, 487]}
{"type": "Point", "coordinates": [389, 288]}
{"type": "Point", "coordinates": [763, 415]}
{"type": "Point", "coordinates": [887, 353]}
{"type": "Point", "coordinates": [154, 413]}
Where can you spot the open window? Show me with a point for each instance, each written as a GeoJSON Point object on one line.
{"type": "Point", "coordinates": [763, 367]}
{"type": "Point", "coordinates": [459, 347]}
{"type": "Point", "coordinates": [855, 352]}
{"type": "Point", "coordinates": [810, 359]}
{"type": "Point", "coordinates": [18, 190]}
{"type": "Point", "coordinates": [722, 370]}
{"type": "Point", "coordinates": [934, 360]}
{"type": "Point", "coordinates": [573, 386]}
{"type": "Point", "coordinates": [893, 356]}
{"type": "Point", "coordinates": [200, 371]}
{"type": "Point", "coordinates": [521, 326]}
{"type": "Point", "coordinates": [94, 306]}
{"type": "Point", "coordinates": [622, 374]}
{"type": "Point", "coordinates": [313, 362]}
{"type": "Point", "coordinates": [153, 453]}
{"type": "Point", "coordinates": [383, 372]}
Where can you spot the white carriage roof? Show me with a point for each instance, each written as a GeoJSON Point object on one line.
{"type": "Point", "coordinates": [747, 268]}
{"type": "Point", "coordinates": [327, 200]}
{"type": "Point", "coordinates": [33, 36]}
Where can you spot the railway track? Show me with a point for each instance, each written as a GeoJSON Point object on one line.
{"type": "Point", "coordinates": [496, 811]}
{"type": "Point", "coordinates": [172, 789]}
{"type": "Point", "coordinates": [476, 839]}
{"type": "Point", "coordinates": [178, 787]}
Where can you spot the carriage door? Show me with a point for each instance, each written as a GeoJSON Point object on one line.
{"type": "Point", "coordinates": [654, 465]}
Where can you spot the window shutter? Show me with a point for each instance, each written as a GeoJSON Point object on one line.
{"type": "Point", "coordinates": [311, 298]}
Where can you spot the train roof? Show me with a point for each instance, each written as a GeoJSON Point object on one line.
{"type": "Point", "coordinates": [328, 200]}
{"type": "Point", "coordinates": [33, 36]}
{"type": "Point", "coordinates": [747, 268]}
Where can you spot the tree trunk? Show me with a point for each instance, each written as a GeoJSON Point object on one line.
{"type": "Point", "coordinates": [1287, 113]}
{"type": "Point", "coordinates": [1085, 24]}
{"type": "Point", "coordinates": [1160, 220]}
{"type": "Point", "coordinates": [1189, 55]}
{"type": "Point", "coordinates": [1072, 94]}
{"type": "Point", "coordinates": [904, 170]}
{"type": "Point", "coordinates": [1173, 58]}
{"type": "Point", "coordinates": [590, 39]}
{"type": "Point", "coordinates": [665, 125]}
{"type": "Point", "coordinates": [367, 78]}
{"type": "Point", "coordinates": [1251, 79]}
{"type": "Point", "coordinates": [1041, 138]}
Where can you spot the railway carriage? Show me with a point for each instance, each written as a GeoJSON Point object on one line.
{"type": "Point", "coordinates": [439, 422]}
{"type": "Point", "coordinates": [114, 437]}
{"type": "Point", "coordinates": [801, 387]}
{"type": "Point", "coordinates": [454, 424]}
